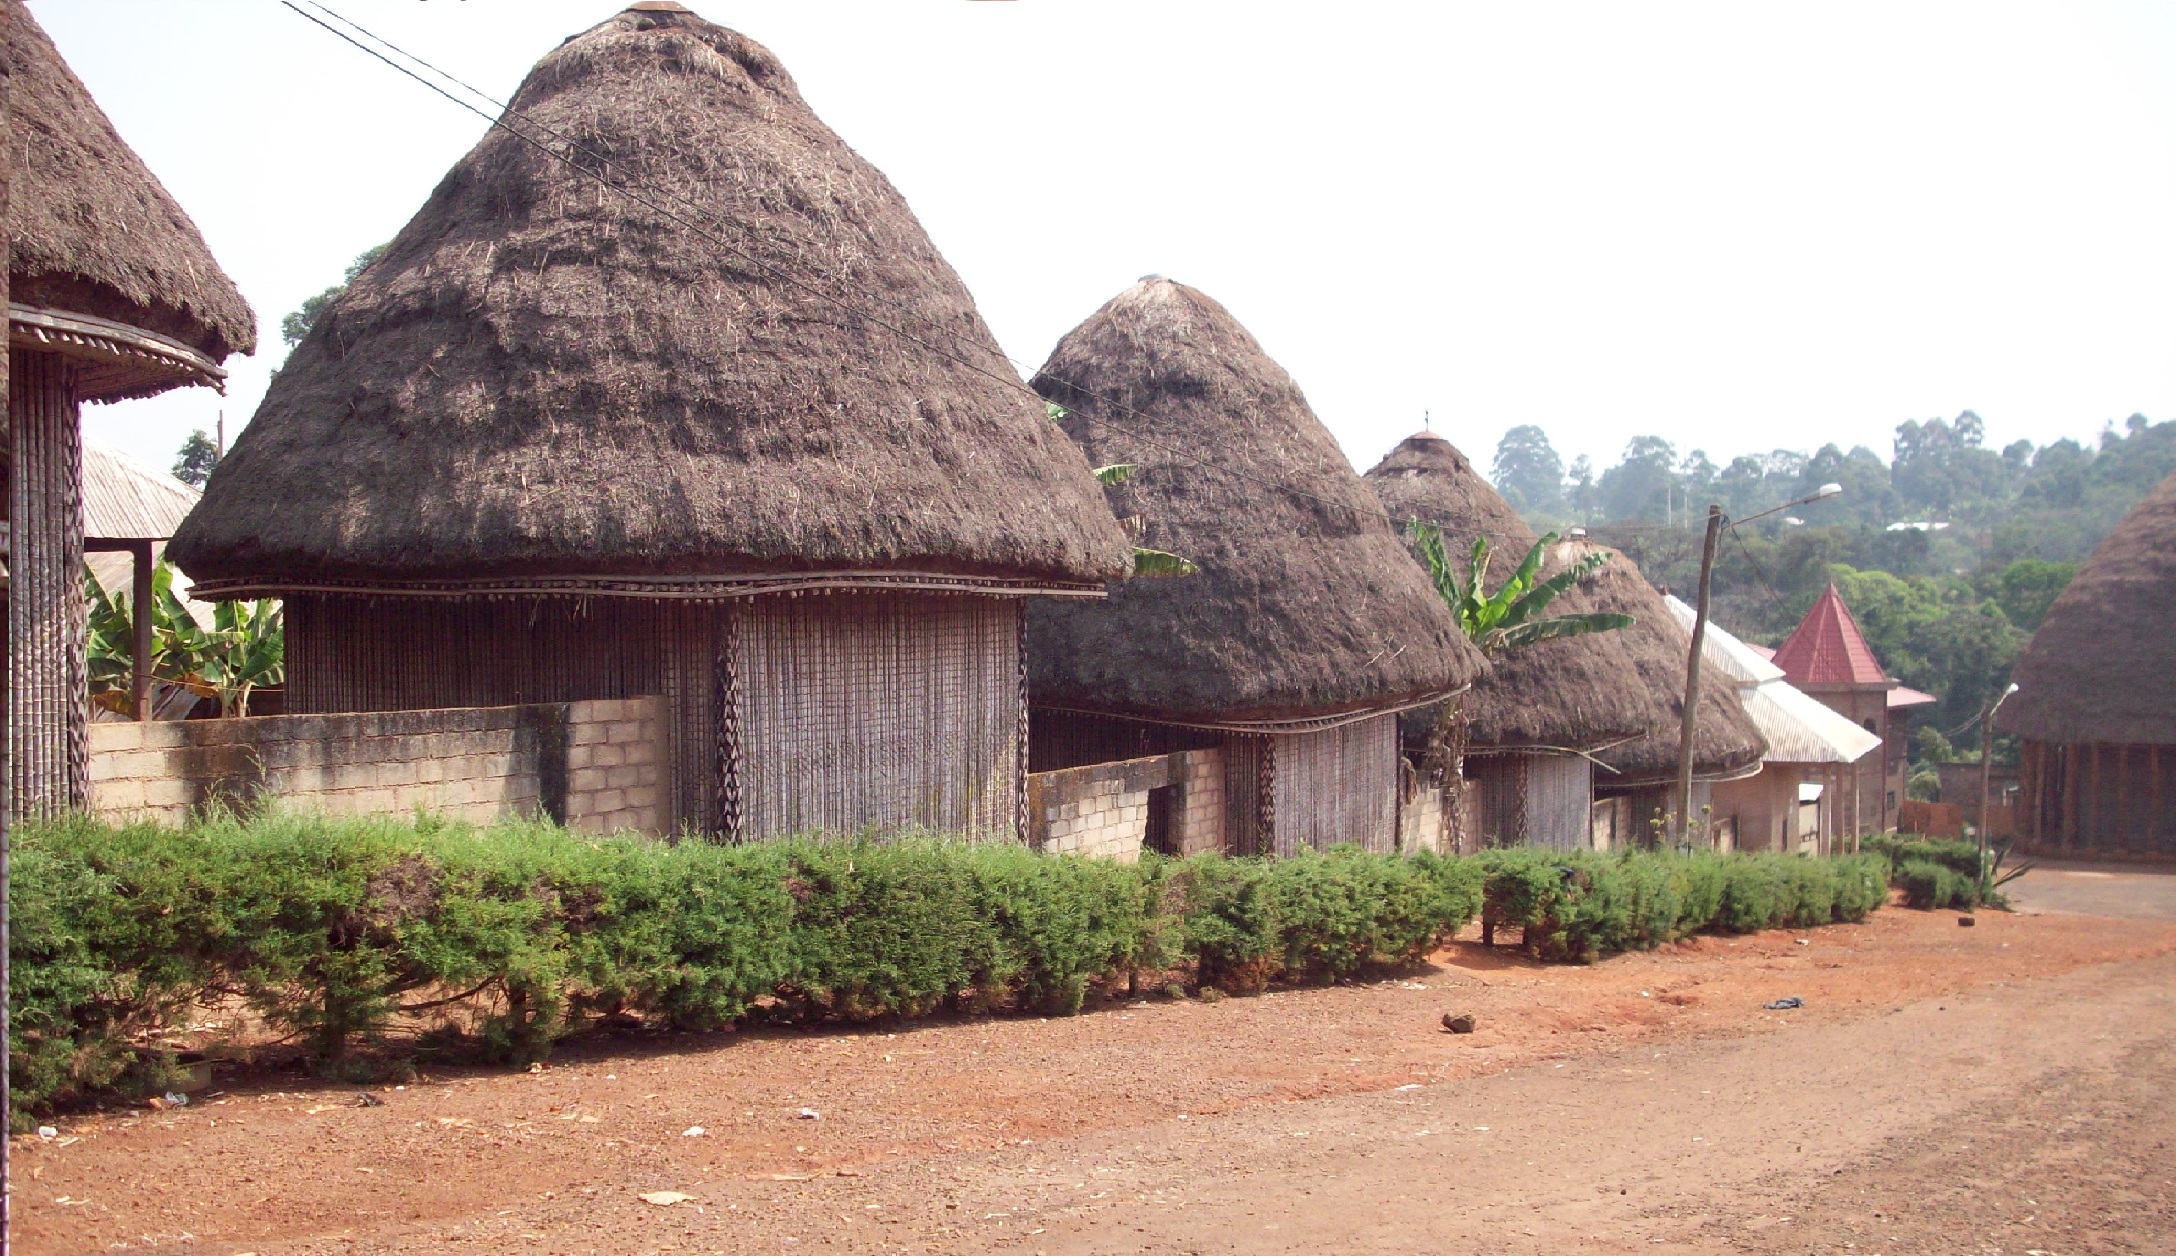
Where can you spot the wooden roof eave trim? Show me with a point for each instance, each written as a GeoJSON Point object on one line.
{"type": "Point", "coordinates": [672, 588]}
{"type": "Point", "coordinates": [122, 361]}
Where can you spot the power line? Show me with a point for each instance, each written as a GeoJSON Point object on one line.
{"type": "Point", "coordinates": [629, 189]}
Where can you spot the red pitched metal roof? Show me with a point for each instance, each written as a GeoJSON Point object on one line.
{"type": "Point", "coordinates": [1828, 650]}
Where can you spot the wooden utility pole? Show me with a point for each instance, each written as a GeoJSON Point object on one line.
{"type": "Point", "coordinates": [7, 746]}
{"type": "Point", "coordinates": [1689, 724]}
{"type": "Point", "coordinates": [1987, 766]}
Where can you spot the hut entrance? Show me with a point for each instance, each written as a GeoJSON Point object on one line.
{"type": "Point", "coordinates": [1157, 835]}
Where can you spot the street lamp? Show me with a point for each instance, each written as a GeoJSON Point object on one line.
{"type": "Point", "coordinates": [1689, 718]}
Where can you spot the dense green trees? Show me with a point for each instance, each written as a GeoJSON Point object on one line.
{"type": "Point", "coordinates": [1949, 552]}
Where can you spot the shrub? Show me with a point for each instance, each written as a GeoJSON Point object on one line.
{"type": "Point", "coordinates": [518, 934]}
{"type": "Point", "coordinates": [1935, 886]}
{"type": "Point", "coordinates": [1962, 858]}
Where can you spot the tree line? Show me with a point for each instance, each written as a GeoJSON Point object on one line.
{"type": "Point", "coordinates": [1948, 552]}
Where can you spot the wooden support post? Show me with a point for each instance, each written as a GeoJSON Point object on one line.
{"type": "Point", "coordinates": [2090, 797]}
{"type": "Point", "coordinates": [141, 616]}
{"type": "Point", "coordinates": [2069, 764]}
{"type": "Point", "coordinates": [47, 687]}
{"type": "Point", "coordinates": [2160, 802]}
{"type": "Point", "coordinates": [2124, 803]}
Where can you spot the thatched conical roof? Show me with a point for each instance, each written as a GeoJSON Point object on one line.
{"type": "Point", "coordinates": [545, 380]}
{"type": "Point", "coordinates": [2102, 668]}
{"type": "Point", "coordinates": [1577, 693]}
{"type": "Point", "coordinates": [1726, 742]}
{"type": "Point", "coordinates": [92, 233]}
{"type": "Point", "coordinates": [1306, 604]}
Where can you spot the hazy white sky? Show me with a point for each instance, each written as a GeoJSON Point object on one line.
{"type": "Point", "coordinates": [1736, 226]}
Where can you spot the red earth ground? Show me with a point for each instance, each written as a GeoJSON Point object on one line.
{"type": "Point", "coordinates": [1169, 1125]}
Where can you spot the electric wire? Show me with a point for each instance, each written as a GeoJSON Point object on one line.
{"type": "Point", "coordinates": [630, 191]}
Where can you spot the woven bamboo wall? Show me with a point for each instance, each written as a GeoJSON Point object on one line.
{"type": "Point", "coordinates": [1340, 785]}
{"type": "Point", "coordinates": [839, 712]}
{"type": "Point", "coordinates": [2099, 797]}
{"type": "Point", "coordinates": [47, 689]}
{"type": "Point", "coordinates": [1533, 799]}
{"type": "Point", "coordinates": [880, 710]}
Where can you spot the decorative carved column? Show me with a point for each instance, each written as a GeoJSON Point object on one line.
{"type": "Point", "coordinates": [48, 760]}
{"type": "Point", "coordinates": [731, 805]}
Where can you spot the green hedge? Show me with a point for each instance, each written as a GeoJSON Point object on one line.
{"type": "Point", "coordinates": [522, 934]}
{"type": "Point", "coordinates": [1962, 858]}
{"type": "Point", "coordinates": [1581, 905]}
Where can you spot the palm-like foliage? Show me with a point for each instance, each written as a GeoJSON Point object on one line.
{"type": "Point", "coordinates": [1146, 562]}
{"type": "Point", "coordinates": [243, 651]}
{"type": "Point", "coordinates": [1511, 617]}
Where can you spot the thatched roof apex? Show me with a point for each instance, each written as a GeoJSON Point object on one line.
{"type": "Point", "coordinates": [1306, 603]}
{"type": "Point", "coordinates": [542, 380]}
{"type": "Point", "coordinates": [2102, 668]}
{"type": "Point", "coordinates": [1576, 694]}
{"type": "Point", "coordinates": [91, 232]}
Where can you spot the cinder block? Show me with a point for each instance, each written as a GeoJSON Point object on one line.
{"type": "Point", "coordinates": [586, 780]}
{"type": "Point", "coordinates": [586, 734]}
{"type": "Point", "coordinates": [607, 756]}
{"type": "Point", "coordinates": [611, 800]}
{"type": "Point", "coordinates": [581, 756]}
{"type": "Point", "coordinates": [116, 796]}
{"type": "Point", "coordinates": [644, 751]}
{"type": "Point", "coordinates": [647, 795]}
{"type": "Point", "coordinates": [625, 731]}
{"type": "Point", "coordinates": [166, 791]}
{"type": "Point", "coordinates": [113, 738]}
{"type": "Point", "coordinates": [347, 776]}
{"type": "Point", "coordinates": [398, 773]}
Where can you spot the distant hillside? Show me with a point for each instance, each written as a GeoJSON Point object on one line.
{"type": "Point", "coordinates": [1948, 552]}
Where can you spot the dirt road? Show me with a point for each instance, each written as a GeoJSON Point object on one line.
{"type": "Point", "coordinates": [1999, 1088]}
{"type": "Point", "coordinates": [2088, 889]}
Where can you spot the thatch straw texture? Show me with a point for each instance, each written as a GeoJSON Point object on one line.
{"type": "Point", "coordinates": [2102, 667]}
{"type": "Point", "coordinates": [89, 228]}
{"type": "Point", "coordinates": [1725, 741]}
{"type": "Point", "coordinates": [1306, 603]}
{"type": "Point", "coordinates": [543, 377]}
{"type": "Point", "coordinates": [1577, 693]}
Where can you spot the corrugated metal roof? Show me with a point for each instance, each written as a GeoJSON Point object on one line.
{"type": "Point", "coordinates": [1828, 650]}
{"type": "Point", "coordinates": [1799, 727]}
{"type": "Point", "coordinates": [124, 500]}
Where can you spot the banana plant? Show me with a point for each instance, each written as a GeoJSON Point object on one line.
{"type": "Point", "coordinates": [1511, 617]}
{"type": "Point", "coordinates": [1147, 563]}
{"type": "Point", "coordinates": [242, 652]}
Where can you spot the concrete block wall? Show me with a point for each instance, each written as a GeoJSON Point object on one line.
{"type": "Point", "coordinates": [616, 765]}
{"type": "Point", "coordinates": [1197, 815]}
{"type": "Point", "coordinates": [471, 763]}
{"type": "Point", "coordinates": [1420, 815]}
{"type": "Point", "coordinates": [1102, 809]}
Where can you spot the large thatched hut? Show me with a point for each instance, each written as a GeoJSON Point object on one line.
{"type": "Point", "coordinates": [1541, 711]}
{"type": "Point", "coordinates": [1307, 627]}
{"type": "Point", "coordinates": [2096, 700]}
{"type": "Point", "coordinates": [680, 400]}
{"type": "Point", "coordinates": [111, 294]}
